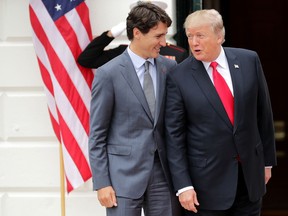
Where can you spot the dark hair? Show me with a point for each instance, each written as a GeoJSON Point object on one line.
{"type": "Point", "coordinates": [145, 16]}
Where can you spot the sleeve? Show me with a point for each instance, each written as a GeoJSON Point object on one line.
{"type": "Point", "coordinates": [175, 132]}
{"type": "Point", "coordinates": [265, 118]}
{"type": "Point", "coordinates": [94, 55]}
{"type": "Point", "coordinates": [100, 117]}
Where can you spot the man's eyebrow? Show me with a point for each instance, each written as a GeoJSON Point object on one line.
{"type": "Point", "coordinates": [160, 34]}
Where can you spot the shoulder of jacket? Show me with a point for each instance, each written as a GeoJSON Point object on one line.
{"type": "Point", "coordinates": [240, 50]}
{"type": "Point", "coordinates": [178, 48]}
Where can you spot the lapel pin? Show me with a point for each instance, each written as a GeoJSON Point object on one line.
{"type": "Point", "coordinates": [236, 66]}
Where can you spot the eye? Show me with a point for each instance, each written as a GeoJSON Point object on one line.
{"type": "Point", "coordinates": [161, 37]}
{"type": "Point", "coordinates": [189, 36]}
{"type": "Point", "coordinates": [200, 36]}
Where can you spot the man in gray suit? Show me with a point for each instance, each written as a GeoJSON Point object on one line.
{"type": "Point", "coordinates": [126, 143]}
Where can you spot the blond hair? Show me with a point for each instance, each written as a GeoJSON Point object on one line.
{"type": "Point", "coordinates": [206, 17]}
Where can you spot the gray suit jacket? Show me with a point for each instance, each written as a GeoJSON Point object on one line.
{"type": "Point", "coordinates": [202, 145]}
{"type": "Point", "coordinates": [123, 136]}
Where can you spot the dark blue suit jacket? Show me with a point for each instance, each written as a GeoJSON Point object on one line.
{"type": "Point", "coordinates": [201, 142]}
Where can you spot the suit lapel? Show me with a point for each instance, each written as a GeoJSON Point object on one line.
{"type": "Point", "coordinates": [238, 83]}
{"type": "Point", "coordinates": [129, 73]}
{"type": "Point", "coordinates": [161, 71]}
{"type": "Point", "coordinates": [201, 76]}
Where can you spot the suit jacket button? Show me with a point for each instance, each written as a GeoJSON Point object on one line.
{"type": "Point", "coordinates": [237, 158]}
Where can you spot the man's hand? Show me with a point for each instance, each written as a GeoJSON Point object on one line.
{"type": "Point", "coordinates": [107, 197]}
{"type": "Point", "coordinates": [188, 200]}
{"type": "Point", "coordinates": [117, 30]}
{"type": "Point", "coordinates": [268, 174]}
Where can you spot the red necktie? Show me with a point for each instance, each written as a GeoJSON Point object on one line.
{"type": "Point", "coordinates": [223, 92]}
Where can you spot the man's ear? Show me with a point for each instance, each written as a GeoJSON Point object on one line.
{"type": "Point", "coordinates": [220, 39]}
{"type": "Point", "coordinates": [137, 33]}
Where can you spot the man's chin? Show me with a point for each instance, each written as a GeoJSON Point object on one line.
{"type": "Point", "coordinates": [156, 55]}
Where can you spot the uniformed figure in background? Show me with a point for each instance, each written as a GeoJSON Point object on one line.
{"type": "Point", "coordinates": [95, 55]}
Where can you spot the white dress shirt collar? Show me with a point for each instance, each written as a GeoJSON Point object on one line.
{"type": "Point", "coordinates": [221, 60]}
{"type": "Point", "coordinates": [137, 60]}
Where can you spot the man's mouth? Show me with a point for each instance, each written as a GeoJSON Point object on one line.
{"type": "Point", "coordinates": [158, 49]}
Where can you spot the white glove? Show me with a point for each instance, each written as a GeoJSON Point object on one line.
{"type": "Point", "coordinates": [118, 29]}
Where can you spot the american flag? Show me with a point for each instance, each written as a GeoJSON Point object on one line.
{"type": "Point", "coordinates": [61, 30]}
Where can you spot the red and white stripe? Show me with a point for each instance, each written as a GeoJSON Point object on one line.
{"type": "Point", "coordinates": [67, 85]}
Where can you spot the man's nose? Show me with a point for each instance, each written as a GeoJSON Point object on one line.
{"type": "Point", "coordinates": [163, 42]}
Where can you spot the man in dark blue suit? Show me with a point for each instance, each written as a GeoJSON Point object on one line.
{"type": "Point", "coordinates": [220, 160]}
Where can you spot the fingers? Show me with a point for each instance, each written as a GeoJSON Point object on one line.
{"type": "Point", "coordinates": [114, 200]}
{"type": "Point", "coordinates": [268, 174]}
{"type": "Point", "coordinates": [107, 197]}
{"type": "Point", "coordinates": [118, 29]}
{"type": "Point", "coordinates": [189, 201]}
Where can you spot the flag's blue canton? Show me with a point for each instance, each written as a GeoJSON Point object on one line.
{"type": "Point", "coordinates": [58, 8]}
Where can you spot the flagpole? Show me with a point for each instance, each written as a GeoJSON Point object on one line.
{"type": "Point", "coordinates": [62, 181]}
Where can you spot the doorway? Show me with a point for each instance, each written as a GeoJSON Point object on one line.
{"type": "Point", "coordinates": [262, 26]}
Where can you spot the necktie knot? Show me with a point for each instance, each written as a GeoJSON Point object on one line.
{"type": "Point", "coordinates": [146, 65]}
{"type": "Point", "coordinates": [214, 65]}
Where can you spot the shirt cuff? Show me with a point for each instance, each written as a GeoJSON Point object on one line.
{"type": "Point", "coordinates": [184, 189]}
